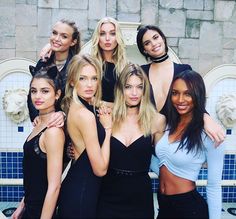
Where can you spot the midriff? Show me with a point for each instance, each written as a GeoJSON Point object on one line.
{"type": "Point", "coordinates": [171, 184]}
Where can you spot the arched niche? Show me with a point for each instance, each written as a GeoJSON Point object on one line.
{"type": "Point", "coordinates": [220, 82]}
{"type": "Point", "coordinates": [129, 31]}
{"type": "Point", "coordinates": [14, 74]}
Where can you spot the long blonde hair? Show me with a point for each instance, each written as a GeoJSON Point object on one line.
{"type": "Point", "coordinates": [74, 71]}
{"type": "Point", "coordinates": [119, 53]}
{"type": "Point", "coordinates": [146, 109]}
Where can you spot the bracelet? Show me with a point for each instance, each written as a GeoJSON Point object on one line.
{"type": "Point", "coordinates": [107, 128]}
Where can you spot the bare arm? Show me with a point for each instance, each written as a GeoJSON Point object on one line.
{"type": "Point", "coordinates": [98, 156]}
{"type": "Point", "coordinates": [213, 130]}
{"type": "Point", "coordinates": [159, 125]}
{"type": "Point", "coordinates": [20, 210]}
{"type": "Point", "coordinates": [45, 52]}
{"type": "Point", "coordinates": [53, 142]}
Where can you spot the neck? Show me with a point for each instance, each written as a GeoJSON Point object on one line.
{"type": "Point", "coordinates": [43, 114]}
{"type": "Point", "coordinates": [132, 110]}
{"type": "Point", "coordinates": [107, 56]}
{"type": "Point", "coordinates": [159, 59]}
{"type": "Point", "coordinates": [61, 56]}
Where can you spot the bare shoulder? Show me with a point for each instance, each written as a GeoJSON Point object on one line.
{"type": "Point", "coordinates": [159, 123]}
{"type": "Point", "coordinates": [54, 133]}
{"type": "Point", "coordinates": [80, 115]}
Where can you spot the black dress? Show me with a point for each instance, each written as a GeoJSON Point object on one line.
{"type": "Point", "coordinates": [108, 82]}
{"type": "Point", "coordinates": [126, 190]}
{"type": "Point", "coordinates": [35, 177]}
{"type": "Point", "coordinates": [80, 188]}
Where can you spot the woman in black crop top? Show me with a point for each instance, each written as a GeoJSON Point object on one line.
{"type": "Point", "coordinates": [43, 150]}
{"type": "Point", "coordinates": [161, 70]}
{"type": "Point", "coordinates": [126, 190]}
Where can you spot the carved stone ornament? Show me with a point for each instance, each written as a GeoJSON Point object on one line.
{"type": "Point", "coordinates": [15, 104]}
{"type": "Point", "coordinates": [226, 110]}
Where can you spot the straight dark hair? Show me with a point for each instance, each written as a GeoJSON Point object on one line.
{"type": "Point", "coordinates": [192, 136]}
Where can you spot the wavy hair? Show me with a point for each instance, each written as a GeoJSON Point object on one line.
{"type": "Point", "coordinates": [146, 109]}
{"type": "Point", "coordinates": [119, 53]}
{"type": "Point", "coordinates": [74, 71]}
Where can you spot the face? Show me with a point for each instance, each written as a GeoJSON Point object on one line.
{"type": "Point", "coordinates": [43, 95]}
{"type": "Point", "coordinates": [181, 98]}
{"type": "Point", "coordinates": [107, 37]}
{"type": "Point", "coordinates": [133, 91]}
{"type": "Point", "coordinates": [61, 38]}
{"type": "Point", "coordinates": [153, 43]}
{"type": "Point", "coordinates": [88, 83]}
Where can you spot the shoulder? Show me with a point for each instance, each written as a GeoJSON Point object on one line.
{"type": "Point", "coordinates": [80, 114]}
{"type": "Point", "coordinates": [54, 133]}
{"type": "Point", "coordinates": [181, 67]}
{"type": "Point", "coordinates": [159, 123]}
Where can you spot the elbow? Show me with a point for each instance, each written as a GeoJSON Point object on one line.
{"type": "Point", "coordinates": [55, 189]}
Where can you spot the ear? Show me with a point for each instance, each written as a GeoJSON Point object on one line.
{"type": "Point", "coordinates": [58, 94]}
{"type": "Point", "coordinates": [73, 42]}
{"type": "Point", "coordinates": [32, 70]}
{"type": "Point", "coordinates": [52, 72]}
{"type": "Point", "coordinates": [72, 84]}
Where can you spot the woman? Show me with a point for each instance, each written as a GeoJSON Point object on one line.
{"type": "Point", "coordinates": [182, 151]}
{"type": "Point", "coordinates": [64, 44]}
{"type": "Point", "coordinates": [90, 137]}
{"type": "Point", "coordinates": [43, 150]}
{"type": "Point", "coordinates": [152, 45]}
{"type": "Point", "coordinates": [109, 48]}
{"type": "Point", "coordinates": [126, 190]}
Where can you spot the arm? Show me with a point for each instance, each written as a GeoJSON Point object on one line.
{"type": "Point", "coordinates": [98, 156]}
{"type": "Point", "coordinates": [53, 142]}
{"type": "Point", "coordinates": [215, 158]}
{"type": "Point", "coordinates": [19, 211]}
{"type": "Point", "coordinates": [46, 52]}
{"type": "Point", "coordinates": [213, 130]}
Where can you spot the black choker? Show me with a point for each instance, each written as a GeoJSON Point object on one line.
{"type": "Point", "coordinates": [159, 59]}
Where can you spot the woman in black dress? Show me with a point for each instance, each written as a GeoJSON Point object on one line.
{"type": "Point", "coordinates": [43, 150]}
{"type": "Point", "coordinates": [90, 137]}
{"type": "Point", "coordinates": [126, 190]}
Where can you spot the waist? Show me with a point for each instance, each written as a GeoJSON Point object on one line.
{"type": "Point", "coordinates": [120, 172]}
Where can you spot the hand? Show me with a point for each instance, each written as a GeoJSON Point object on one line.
{"type": "Point", "coordinates": [214, 130]}
{"type": "Point", "coordinates": [36, 121]}
{"type": "Point", "coordinates": [18, 212]}
{"type": "Point", "coordinates": [70, 151]}
{"type": "Point", "coordinates": [105, 116]}
{"type": "Point", "coordinates": [56, 120]}
{"type": "Point", "coordinates": [46, 52]}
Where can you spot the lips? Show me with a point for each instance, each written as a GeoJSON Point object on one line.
{"type": "Point", "coordinates": [37, 103]}
{"type": "Point", "coordinates": [134, 98]}
{"type": "Point", "coordinates": [107, 44]}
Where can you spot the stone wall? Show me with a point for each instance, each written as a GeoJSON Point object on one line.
{"type": "Point", "coordinates": [201, 32]}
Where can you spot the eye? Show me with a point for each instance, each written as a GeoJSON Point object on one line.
{"type": "Point", "coordinates": [146, 43]}
{"type": "Point", "coordinates": [95, 78]}
{"type": "Point", "coordinates": [32, 91]}
{"type": "Point", "coordinates": [173, 93]}
{"type": "Point", "coordinates": [54, 32]}
{"type": "Point", "coordinates": [140, 87]}
{"type": "Point", "coordinates": [45, 91]}
{"type": "Point", "coordinates": [113, 33]}
{"type": "Point", "coordinates": [81, 78]}
{"type": "Point", "coordinates": [127, 86]}
{"type": "Point", "coordinates": [187, 94]}
{"type": "Point", "coordinates": [155, 37]}
{"type": "Point", "coordinates": [102, 33]}
{"type": "Point", "coordinates": [64, 36]}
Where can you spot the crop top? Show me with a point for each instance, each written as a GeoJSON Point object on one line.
{"type": "Point", "coordinates": [188, 165]}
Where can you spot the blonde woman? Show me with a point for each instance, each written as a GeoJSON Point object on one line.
{"type": "Point", "coordinates": [126, 190]}
{"type": "Point", "coordinates": [90, 137]}
{"type": "Point", "coordinates": [109, 48]}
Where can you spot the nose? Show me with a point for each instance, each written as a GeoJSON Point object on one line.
{"type": "Point", "coordinates": [134, 91]}
{"type": "Point", "coordinates": [181, 98]}
{"type": "Point", "coordinates": [107, 37]}
{"type": "Point", "coordinates": [57, 37]}
{"type": "Point", "coordinates": [89, 82]}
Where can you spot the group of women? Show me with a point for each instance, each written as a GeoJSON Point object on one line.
{"type": "Point", "coordinates": [116, 113]}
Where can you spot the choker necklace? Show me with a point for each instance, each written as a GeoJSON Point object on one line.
{"type": "Point", "coordinates": [133, 106]}
{"type": "Point", "coordinates": [43, 114]}
{"type": "Point", "coordinates": [159, 59]}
